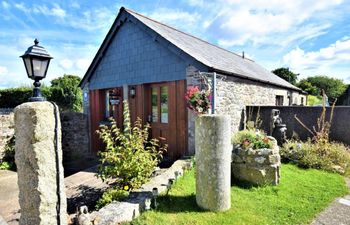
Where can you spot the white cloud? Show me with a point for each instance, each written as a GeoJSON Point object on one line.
{"type": "Point", "coordinates": [326, 60]}
{"type": "Point", "coordinates": [66, 64]}
{"type": "Point", "coordinates": [83, 64]}
{"type": "Point", "coordinates": [5, 5]}
{"type": "Point", "coordinates": [240, 22]}
{"type": "Point", "coordinates": [56, 10]}
{"type": "Point", "coordinates": [180, 19]}
{"type": "Point", "coordinates": [3, 70]}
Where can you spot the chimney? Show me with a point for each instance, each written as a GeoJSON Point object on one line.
{"type": "Point", "coordinates": [243, 54]}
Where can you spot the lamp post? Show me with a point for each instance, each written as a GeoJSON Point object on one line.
{"type": "Point", "coordinates": [36, 61]}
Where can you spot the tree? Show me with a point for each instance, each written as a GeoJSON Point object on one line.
{"type": "Point", "coordinates": [286, 74]}
{"type": "Point", "coordinates": [66, 93]}
{"type": "Point", "coordinates": [332, 87]}
{"type": "Point", "coordinates": [308, 87]}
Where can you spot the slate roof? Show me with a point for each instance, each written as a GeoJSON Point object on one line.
{"type": "Point", "coordinates": [217, 59]}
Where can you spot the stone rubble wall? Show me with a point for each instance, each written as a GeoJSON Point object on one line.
{"type": "Point", "coordinates": [234, 94]}
{"type": "Point", "coordinates": [256, 166]}
{"type": "Point", "coordinates": [75, 137]}
{"type": "Point", "coordinates": [75, 140]}
{"type": "Point", "coordinates": [6, 127]}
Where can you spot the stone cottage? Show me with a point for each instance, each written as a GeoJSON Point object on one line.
{"type": "Point", "coordinates": [152, 64]}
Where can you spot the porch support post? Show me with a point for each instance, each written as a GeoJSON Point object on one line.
{"type": "Point", "coordinates": [213, 162]}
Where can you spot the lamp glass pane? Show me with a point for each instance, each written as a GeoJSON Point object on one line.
{"type": "Point", "coordinates": [28, 66]}
{"type": "Point", "coordinates": [39, 67]}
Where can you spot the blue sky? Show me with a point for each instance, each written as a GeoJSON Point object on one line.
{"type": "Point", "coordinates": [312, 37]}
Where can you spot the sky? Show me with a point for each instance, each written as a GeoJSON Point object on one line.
{"type": "Point", "coordinates": [311, 37]}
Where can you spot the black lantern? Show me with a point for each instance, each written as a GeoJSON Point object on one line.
{"type": "Point", "coordinates": [36, 61]}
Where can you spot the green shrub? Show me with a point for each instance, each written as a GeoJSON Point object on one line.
{"type": "Point", "coordinates": [329, 156]}
{"type": "Point", "coordinates": [112, 194]}
{"type": "Point", "coordinates": [129, 157]}
{"type": "Point", "coordinates": [319, 152]}
{"type": "Point", "coordinates": [65, 92]}
{"type": "Point", "coordinates": [252, 139]}
{"type": "Point", "coordinates": [12, 97]}
{"type": "Point", "coordinates": [8, 160]}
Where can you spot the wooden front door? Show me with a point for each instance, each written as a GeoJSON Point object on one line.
{"type": "Point", "coordinates": [163, 106]}
{"type": "Point", "coordinates": [161, 113]}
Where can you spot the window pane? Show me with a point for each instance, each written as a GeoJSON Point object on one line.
{"type": "Point", "coordinates": [154, 99]}
{"type": "Point", "coordinates": [107, 111]}
{"type": "Point", "coordinates": [164, 104]}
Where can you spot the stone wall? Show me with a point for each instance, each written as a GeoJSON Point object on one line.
{"type": "Point", "coordinates": [6, 128]}
{"type": "Point", "coordinates": [75, 142]}
{"type": "Point", "coordinates": [308, 115]}
{"type": "Point", "coordinates": [75, 138]}
{"type": "Point", "coordinates": [234, 94]}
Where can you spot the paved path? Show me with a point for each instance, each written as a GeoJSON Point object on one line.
{"type": "Point", "coordinates": [81, 188]}
{"type": "Point", "coordinates": [338, 213]}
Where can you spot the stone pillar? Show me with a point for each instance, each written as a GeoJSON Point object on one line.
{"type": "Point", "coordinates": [213, 162]}
{"type": "Point", "coordinates": [41, 199]}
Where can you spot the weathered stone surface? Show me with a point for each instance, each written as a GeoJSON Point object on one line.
{"type": "Point", "coordinates": [213, 154]}
{"type": "Point", "coordinates": [256, 166]}
{"type": "Point", "coordinates": [36, 164]}
{"type": "Point", "coordinates": [6, 128]}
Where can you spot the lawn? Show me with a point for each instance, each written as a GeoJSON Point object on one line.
{"type": "Point", "coordinates": [300, 196]}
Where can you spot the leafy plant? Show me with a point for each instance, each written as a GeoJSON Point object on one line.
{"type": "Point", "coordinates": [318, 152]}
{"type": "Point", "coordinates": [252, 139]}
{"type": "Point", "coordinates": [112, 194]}
{"type": "Point", "coordinates": [8, 160]}
{"type": "Point", "coordinates": [198, 101]}
{"type": "Point", "coordinates": [66, 93]}
{"type": "Point", "coordinates": [129, 157]}
{"type": "Point", "coordinates": [328, 156]}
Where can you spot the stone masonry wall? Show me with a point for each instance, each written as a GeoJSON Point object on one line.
{"type": "Point", "coordinates": [75, 141]}
{"type": "Point", "coordinates": [75, 138]}
{"type": "Point", "coordinates": [6, 128]}
{"type": "Point", "coordinates": [233, 94]}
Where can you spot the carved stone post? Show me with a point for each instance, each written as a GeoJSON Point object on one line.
{"type": "Point", "coordinates": [39, 164]}
{"type": "Point", "coordinates": [213, 162]}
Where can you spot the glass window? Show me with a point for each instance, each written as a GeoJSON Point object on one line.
{"type": "Point", "coordinates": [107, 112]}
{"type": "Point", "coordinates": [164, 104]}
{"type": "Point", "coordinates": [154, 99]}
{"type": "Point", "coordinates": [279, 100]}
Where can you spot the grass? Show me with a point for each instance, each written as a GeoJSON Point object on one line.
{"type": "Point", "coordinates": [297, 200]}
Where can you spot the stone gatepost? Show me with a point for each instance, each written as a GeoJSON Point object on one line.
{"type": "Point", "coordinates": [39, 164]}
{"type": "Point", "coordinates": [213, 162]}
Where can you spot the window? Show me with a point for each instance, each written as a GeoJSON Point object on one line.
{"type": "Point", "coordinates": [154, 100]}
{"type": "Point", "coordinates": [164, 104]}
{"type": "Point", "coordinates": [279, 99]}
{"type": "Point", "coordinates": [159, 104]}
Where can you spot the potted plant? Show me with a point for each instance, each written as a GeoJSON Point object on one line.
{"type": "Point", "coordinates": [198, 101]}
{"type": "Point", "coordinates": [255, 157]}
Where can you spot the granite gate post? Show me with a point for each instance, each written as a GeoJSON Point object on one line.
{"type": "Point", "coordinates": [213, 162]}
{"type": "Point", "coordinates": [39, 164]}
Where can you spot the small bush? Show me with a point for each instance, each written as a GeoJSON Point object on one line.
{"type": "Point", "coordinates": [329, 156]}
{"type": "Point", "coordinates": [252, 139]}
{"type": "Point", "coordinates": [112, 194]}
{"type": "Point", "coordinates": [8, 160]}
{"type": "Point", "coordinates": [129, 157]}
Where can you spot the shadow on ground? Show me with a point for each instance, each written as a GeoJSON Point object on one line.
{"type": "Point", "coordinates": [87, 196]}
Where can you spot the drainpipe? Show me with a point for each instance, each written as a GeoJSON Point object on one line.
{"type": "Point", "coordinates": [213, 103]}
